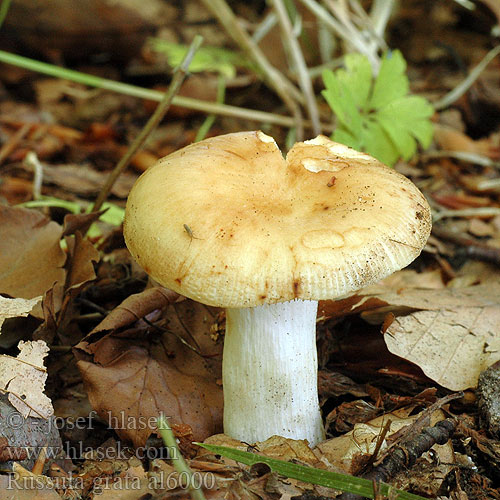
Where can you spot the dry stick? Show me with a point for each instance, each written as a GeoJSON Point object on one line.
{"type": "Point", "coordinates": [405, 455]}
{"type": "Point", "coordinates": [340, 30]}
{"type": "Point", "coordinates": [472, 248]}
{"type": "Point", "coordinates": [12, 143]}
{"type": "Point", "coordinates": [418, 438]}
{"type": "Point", "coordinates": [463, 86]}
{"type": "Point", "coordinates": [295, 52]}
{"type": "Point", "coordinates": [179, 76]}
{"type": "Point", "coordinates": [276, 80]}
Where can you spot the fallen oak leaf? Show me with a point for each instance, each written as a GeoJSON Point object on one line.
{"type": "Point", "coordinates": [23, 378]}
{"type": "Point", "coordinates": [14, 308]}
{"type": "Point", "coordinates": [452, 346]}
{"type": "Point", "coordinates": [133, 373]}
{"type": "Point", "coordinates": [135, 307]}
{"type": "Point", "coordinates": [31, 257]}
{"type": "Point", "coordinates": [449, 333]}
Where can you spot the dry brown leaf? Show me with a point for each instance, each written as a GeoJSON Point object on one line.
{"type": "Point", "coordinates": [79, 266]}
{"type": "Point", "coordinates": [368, 299]}
{"type": "Point", "coordinates": [79, 222]}
{"type": "Point", "coordinates": [24, 379]}
{"type": "Point", "coordinates": [450, 139]}
{"type": "Point", "coordinates": [13, 308]}
{"type": "Point", "coordinates": [452, 345]}
{"type": "Point", "coordinates": [450, 333]}
{"type": "Point", "coordinates": [26, 488]}
{"type": "Point", "coordinates": [138, 373]}
{"type": "Point", "coordinates": [84, 180]}
{"type": "Point", "coordinates": [135, 307]}
{"type": "Point", "coordinates": [31, 257]}
{"type": "Point", "coordinates": [342, 451]}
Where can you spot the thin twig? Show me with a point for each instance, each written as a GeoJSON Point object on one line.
{"type": "Point", "coordinates": [274, 78]}
{"type": "Point", "coordinates": [31, 160]}
{"type": "Point", "coordinates": [179, 76]}
{"type": "Point", "coordinates": [162, 329]}
{"type": "Point", "coordinates": [475, 158]}
{"type": "Point", "coordinates": [464, 86]}
{"type": "Point", "coordinates": [353, 37]}
{"type": "Point", "coordinates": [14, 140]}
{"type": "Point", "coordinates": [467, 212]}
{"type": "Point", "coordinates": [180, 465]}
{"type": "Point", "coordinates": [295, 52]}
{"type": "Point", "coordinates": [209, 120]}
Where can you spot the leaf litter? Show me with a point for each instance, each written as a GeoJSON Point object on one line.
{"type": "Point", "coordinates": [150, 352]}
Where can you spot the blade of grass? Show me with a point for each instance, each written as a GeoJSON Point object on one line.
{"type": "Point", "coordinates": [178, 461]}
{"type": "Point", "coordinates": [4, 9]}
{"type": "Point", "coordinates": [321, 477]}
{"type": "Point", "coordinates": [179, 75]}
{"type": "Point", "coordinates": [153, 95]}
{"type": "Point", "coordinates": [209, 120]}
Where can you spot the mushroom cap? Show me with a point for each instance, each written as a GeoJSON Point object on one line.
{"type": "Point", "coordinates": [229, 222]}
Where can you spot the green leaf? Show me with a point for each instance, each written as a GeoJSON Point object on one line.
{"type": "Point", "coordinates": [400, 137]}
{"type": "Point", "coordinates": [357, 77]}
{"type": "Point", "coordinates": [391, 82]}
{"type": "Point", "coordinates": [339, 97]}
{"type": "Point", "coordinates": [377, 115]}
{"type": "Point", "coordinates": [410, 115]}
{"type": "Point", "coordinates": [345, 137]}
{"type": "Point", "coordinates": [113, 215]}
{"type": "Point", "coordinates": [218, 60]}
{"type": "Point", "coordinates": [379, 144]}
{"type": "Point", "coordinates": [321, 477]}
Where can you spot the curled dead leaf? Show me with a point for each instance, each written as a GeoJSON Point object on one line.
{"type": "Point", "coordinates": [31, 257]}
{"type": "Point", "coordinates": [134, 372]}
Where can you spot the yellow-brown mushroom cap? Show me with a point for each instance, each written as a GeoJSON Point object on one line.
{"type": "Point", "coordinates": [229, 222]}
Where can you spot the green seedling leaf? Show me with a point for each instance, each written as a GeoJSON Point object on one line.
{"type": "Point", "coordinates": [338, 95]}
{"type": "Point", "coordinates": [357, 77]}
{"type": "Point", "coordinates": [113, 214]}
{"type": "Point", "coordinates": [377, 115]}
{"type": "Point", "coordinates": [391, 82]}
{"type": "Point", "coordinates": [215, 59]}
{"type": "Point", "coordinates": [379, 143]}
{"type": "Point", "coordinates": [310, 475]}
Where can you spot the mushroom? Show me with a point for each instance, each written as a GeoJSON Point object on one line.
{"type": "Point", "coordinates": [229, 222]}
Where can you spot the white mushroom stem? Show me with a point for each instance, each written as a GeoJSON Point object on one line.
{"type": "Point", "coordinates": [270, 373]}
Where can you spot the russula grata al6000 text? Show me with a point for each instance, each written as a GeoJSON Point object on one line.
{"type": "Point", "coordinates": [230, 223]}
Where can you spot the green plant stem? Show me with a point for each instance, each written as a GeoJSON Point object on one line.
{"type": "Point", "coordinates": [281, 85]}
{"type": "Point", "coordinates": [4, 9]}
{"type": "Point", "coordinates": [179, 76]}
{"type": "Point", "coordinates": [178, 461]}
{"type": "Point", "coordinates": [153, 95]}
{"type": "Point", "coordinates": [295, 53]}
{"type": "Point", "coordinates": [209, 120]}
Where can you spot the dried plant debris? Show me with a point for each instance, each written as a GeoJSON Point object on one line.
{"type": "Point", "coordinates": [14, 308]}
{"type": "Point", "coordinates": [23, 378]}
{"type": "Point", "coordinates": [31, 257]}
{"type": "Point", "coordinates": [136, 369]}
